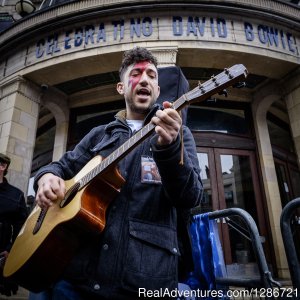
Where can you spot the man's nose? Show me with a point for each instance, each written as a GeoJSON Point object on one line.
{"type": "Point", "coordinates": [144, 78]}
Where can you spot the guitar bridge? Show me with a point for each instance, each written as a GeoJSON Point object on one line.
{"type": "Point", "coordinates": [40, 220]}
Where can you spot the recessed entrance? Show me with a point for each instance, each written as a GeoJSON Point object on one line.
{"type": "Point", "coordinates": [230, 180]}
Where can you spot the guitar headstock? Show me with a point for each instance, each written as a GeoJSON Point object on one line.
{"type": "Point", "coordinates": [216, 84]}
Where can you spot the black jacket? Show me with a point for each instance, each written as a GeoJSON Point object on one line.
{"type": "Point", "coordinates": [138, 247]}
{"type": "Point", "coordinates": [13, 213]}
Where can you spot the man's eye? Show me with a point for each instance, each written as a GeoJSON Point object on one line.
{"type": "Point", "coordinates": [135, 74]}
{"type": "Point", "coordinates": [152, 75]}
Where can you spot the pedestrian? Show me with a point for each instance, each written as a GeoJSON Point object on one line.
{"type": "Point", "coordinates": [13, 213]}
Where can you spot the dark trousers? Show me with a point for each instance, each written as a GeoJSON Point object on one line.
{"type": "Point", "coordinates": [62, 290]}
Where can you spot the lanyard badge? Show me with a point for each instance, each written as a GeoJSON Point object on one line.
{"type": "Point", "coordinates": [149, 172]}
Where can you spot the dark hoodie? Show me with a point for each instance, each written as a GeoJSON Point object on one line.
{"type": "Point", "coordinates": [13, 213]}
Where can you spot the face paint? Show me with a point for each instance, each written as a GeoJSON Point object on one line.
{"type": "Point", "coordinates": [140, 67]}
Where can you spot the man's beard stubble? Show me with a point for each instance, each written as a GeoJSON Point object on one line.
{"type": "Point", "coordinates": [142, 111]}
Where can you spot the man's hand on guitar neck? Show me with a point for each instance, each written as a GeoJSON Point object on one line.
{"type": "Point", "coordinates": [51, 188]}
{"type": "Point", "coordinates": [168, 123]}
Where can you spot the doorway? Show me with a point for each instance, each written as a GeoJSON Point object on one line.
{"type": "Point", "coordinates": [230, 179]}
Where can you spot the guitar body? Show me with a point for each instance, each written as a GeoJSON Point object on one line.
{"type": "Point", "coordinates": [40, 253]}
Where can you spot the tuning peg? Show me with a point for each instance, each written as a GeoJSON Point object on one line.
{"type": "Point", "coordinates": [223, 92]}
{"type": "Point", "coordinates": [227, 72]}
{"type": "Point", "coordinates": [201, 87]}
{"type": "Point", "coordinates": [239, 84]}
{"type": "Point", "coordinates": [214, 80]}
{"type": "Point", "coordinates": [211, 100]}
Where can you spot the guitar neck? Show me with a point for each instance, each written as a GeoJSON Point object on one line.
{"type": "Point", "coordinates": [200, 93]}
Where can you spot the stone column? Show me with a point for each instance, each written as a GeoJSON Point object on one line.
{"type": "Point", "coordinates": [19, 109]}
{"type": "Point", "coordinates": [293, 106]}
{"type": "Point", "coordinates": [57, 103]}
{"type": "Point", "coordinates": [263, 99]}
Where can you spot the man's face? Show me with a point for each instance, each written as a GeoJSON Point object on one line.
{"type": "Point", "coordinates": [140, 89]}
{"type": "Point", "coordinates": [3, 167]}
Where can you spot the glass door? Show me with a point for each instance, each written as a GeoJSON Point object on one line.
{"type": "Point", "coordinates": [208, 176]}
{"type": "Point", "coordinates": [230, 179]}
{"type": "Point", "coordinates": [288, 177]}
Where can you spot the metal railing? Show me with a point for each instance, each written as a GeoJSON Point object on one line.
{"type": "Point", "coordinates": [266, 280]}
{"type": "Point", "coordinates": [288, 241]}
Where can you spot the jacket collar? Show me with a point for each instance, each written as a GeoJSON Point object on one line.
{"type": "Point", "coordinates": [120, 118]}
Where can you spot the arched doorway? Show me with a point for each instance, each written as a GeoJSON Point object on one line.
{"type": "Point", "coordinates": [227, 155]}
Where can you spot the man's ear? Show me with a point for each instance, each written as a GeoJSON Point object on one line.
{"type": "Point", "coordinates": [120, 88]}
{"type": "Point", "coordinates": [158, 91]}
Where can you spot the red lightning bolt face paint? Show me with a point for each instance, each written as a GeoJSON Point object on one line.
{"type": "Point", "coordinates": [140, 89]}
{"type": "Point", "coordinates": [136, 73]}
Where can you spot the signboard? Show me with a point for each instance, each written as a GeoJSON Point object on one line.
{"type": "Point", "coordinates": [204, 28]}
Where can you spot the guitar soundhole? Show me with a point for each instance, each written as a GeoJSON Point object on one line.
{"type": "Point", "coordinates": [70, 195]}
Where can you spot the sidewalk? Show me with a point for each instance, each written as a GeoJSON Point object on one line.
{"type": "Point", "coordinates": [21, 295]}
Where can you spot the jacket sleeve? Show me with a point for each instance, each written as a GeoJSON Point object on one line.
{"type": "Point", "coordinates": [181, 182]}
{"type": "Point", "coordinates": [72, 161]}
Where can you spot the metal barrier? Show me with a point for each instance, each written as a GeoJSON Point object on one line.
{"type": "Point", "coordinates": [288, 241]}
{"type": "Point", "coordinates": [266, 279]}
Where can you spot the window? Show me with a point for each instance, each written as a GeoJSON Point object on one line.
{"type": "Point", "coordinates": [83, 119]}
{"type": "Point", "coordinates": [235, 120]}
{"type": "Point", "coordinates": [6, 21]}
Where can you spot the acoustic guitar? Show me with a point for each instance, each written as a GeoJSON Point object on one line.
{"type": "Point", "coordinates": [49, 237]}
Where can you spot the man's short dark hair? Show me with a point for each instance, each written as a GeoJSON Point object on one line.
{"type": "Point", "coordinates": [136, 55]}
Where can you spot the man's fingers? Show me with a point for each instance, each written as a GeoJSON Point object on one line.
{"type": "Point", "coordinates": [163, 136]}
{"type": "Point", "coordinates": [42, 200]}
{"type": "Point", "coordinates": [51, 188]}
{"type": "Point", "coordinates": [169, 117]}
{"type": "Point", "coordinates": [167, 104]}
{"type": "Point", "coordinates": [58, 188]}
{"type": "Point", "coordinates": [168, 123]}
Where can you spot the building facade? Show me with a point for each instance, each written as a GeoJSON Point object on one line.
{"type": "Point", "coordinates": [59, 67]}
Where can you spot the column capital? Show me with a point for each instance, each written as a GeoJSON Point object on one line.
{"type": "Point", "coordinates": [265, 96]}
{"type": "Point", "coordinates": [19, 84]}
{"type": "Point", "coordinates": [166, 56]}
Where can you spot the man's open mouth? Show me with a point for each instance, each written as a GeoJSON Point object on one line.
{"type": "Point", "coordinates": [143, 92]}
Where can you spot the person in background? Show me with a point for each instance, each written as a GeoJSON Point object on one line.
{"type": "Point", "coordinates": [13, 213]}
{"type": "Point", "coordinates": [138, 250]}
